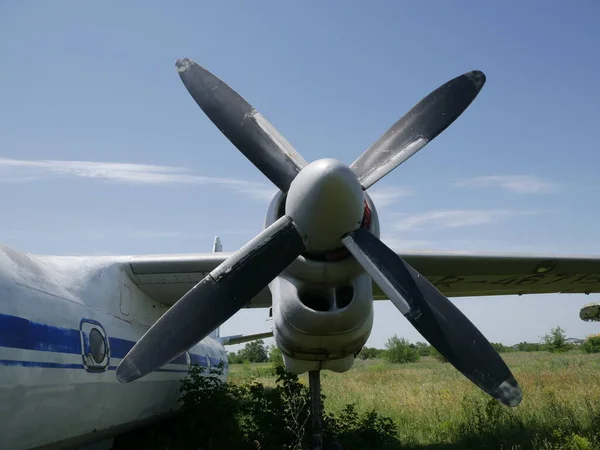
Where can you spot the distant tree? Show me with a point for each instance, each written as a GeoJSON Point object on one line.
{"type": "Point", "coordinates": [437, 355]}
{"type": "Point", "coordinates": [591, 344]}
{"type": "Point", "coordinates": [254, 352]}
{"type": "Point", "coordinates": [233, 358]}
{"type": "Point", "coordinates": [529, 347]}
{"type": "Point", "coordinates": [369, 353]}
{"type": "Point", "coordinates": [275, 355]}
{"type": "Point", "coordinates": [501, 348]}
{"type": "Point", "coordinates": [423, 348]}
{"type": "Point", "coordinates": [400, 351]}
{"type": "Point", "coordinates": [556, 341]}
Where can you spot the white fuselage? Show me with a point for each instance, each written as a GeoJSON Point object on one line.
{"type": "Point", "coordinates": [52, 391]}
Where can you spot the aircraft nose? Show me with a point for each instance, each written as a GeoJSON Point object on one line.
{"type": "Point", "coordinates": [325, 201]}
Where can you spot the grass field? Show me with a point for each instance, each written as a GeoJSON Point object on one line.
{"type": "Point", "coordinates": [435, 406]}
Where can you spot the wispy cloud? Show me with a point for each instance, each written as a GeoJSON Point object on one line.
{"type": "Point", "coordinates": [452, 219]}
{"type": "Point", "coordinates": [19, 170]}
{"type": "Point", "coordinates": [521, 184]}
{"type": "Point", "coordinates": [398, 243]}
{"type": "Point", "coordinates": [388, 195]}
{"type": "Point", "coordinates": [101, 234]}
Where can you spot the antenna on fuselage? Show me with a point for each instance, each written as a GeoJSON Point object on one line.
{"type": "Point", "coordinates": [217, 247]}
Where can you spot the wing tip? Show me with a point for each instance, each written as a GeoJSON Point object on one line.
{"type": "Point", "coordinates": [127, 372]}
{"type": "Point", "coordinates": [183, 64]}
{"type": "Point", "coordinates": [509, 392]}
{"type": "Point", "coordinates": [477, 77]}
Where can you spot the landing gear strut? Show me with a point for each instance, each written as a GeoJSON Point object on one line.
{"type": "Point", "coordinates": [316, 413]}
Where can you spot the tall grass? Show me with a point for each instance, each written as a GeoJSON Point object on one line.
{"type": "Point", "coordinates": [432, 404]}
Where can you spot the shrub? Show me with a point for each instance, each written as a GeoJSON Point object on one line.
{"type": "Point", "coordinates": [555, 341]}
{"type": "Point", "coordinates": [591, 344]}
{"type": "Point", "coordinates": [275, 356]}
{"type": "Point", "coordinates": [501, 348]}
{"type": "Point", "coordinates": [369, 353]}
{"type": "Point", "coordinates": [437, 355]}
{"type": "Point", "coordinates": [217, 415]}
{"type": "Point", "coordinates": [529, 347]}
{"type": "Point", "coordinates": [400, 351]}
{"type": "Point", "coordinates": [424, 348]}
{"type": "Point", "coordinates": [254, 352]}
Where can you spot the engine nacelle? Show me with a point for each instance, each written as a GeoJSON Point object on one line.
{"type": "Point", "coordinates": [322, 308]}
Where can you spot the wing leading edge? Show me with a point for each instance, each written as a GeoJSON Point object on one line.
{"type": "Point", "coordinates": [475, 274]}
{"type": "Point", "coordinates": [165, 278]}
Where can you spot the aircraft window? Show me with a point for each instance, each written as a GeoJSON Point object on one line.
{"type": "Point", "coordinates": [97, 346]}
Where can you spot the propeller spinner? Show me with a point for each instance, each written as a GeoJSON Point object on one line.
{"type": "Point", "coordinates": [324, 210]}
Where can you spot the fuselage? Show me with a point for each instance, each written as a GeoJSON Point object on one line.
{"type": "Point", "coordinates": [65, 324]}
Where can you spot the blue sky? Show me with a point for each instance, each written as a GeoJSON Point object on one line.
{"type": "Point", "coordinates": [102, 150]}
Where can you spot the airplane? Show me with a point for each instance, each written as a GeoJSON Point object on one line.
{"type": "Point", "coordinates": [94, 346]}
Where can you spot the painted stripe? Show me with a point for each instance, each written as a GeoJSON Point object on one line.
{"type": "Point", "coordinates": [47, 365]}
{"type": "Point", "coordinates": [214, 361]}
{"type": "Point", "coordinates": [17, 332]}
{"type": "Point", "coordinates": [54, 365]}
{"type": "Point", "coordinates": [21, 334]}
{"type": "Point", "coordinates": [200, 360]}
{"type": "Point", "coordinates": [119, 347]}
{"type": "Point", "coordinates": [158, 370]}
{"type": "Point", "coordinates": [19, 354]}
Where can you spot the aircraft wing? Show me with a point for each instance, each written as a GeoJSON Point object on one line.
{"type": "Point", "coordinates": [461, 274]}
{"type": "Point", "coordinates": [165, 278]}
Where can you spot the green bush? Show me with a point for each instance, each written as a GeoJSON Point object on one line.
{"type": "Point", "coordinates": [423, 348]}
{"type": "Point", "coordinates": [217, 415]}
{"type": "Point", "coordinates": [591, 344]}
{"type": "Point", "coordinates": [254, 352]}
{"type": "Point", "coordinates": [556, 341]}
{"type": "Point", "coordinates": [400, 351]}
{"type": "Point", "coordinates": [501, 348]}
{"type": "Point", "coordinates": [529, 347]}
{"type": "Point", "coordinates": [370, 353]}
{"type": "Point", "coordinates": [437, 355]}
{"type": "Point", "coordinates": [275, 356]}
{"type": "Point", "coordinates": [234, 358]}
{"type": "Point", "coordinates": [355, 431]}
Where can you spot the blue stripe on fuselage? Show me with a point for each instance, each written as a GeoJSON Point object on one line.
{"type": "Point", "coordinates": [50, 365]}
{"type": "Point", "coordinates": [20, 333]}
{"type": "Point", "coordinates": [200, 360]}
{"type": "Point", "coordinates": [17, 332]}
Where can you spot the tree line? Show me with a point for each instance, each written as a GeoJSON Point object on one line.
{"type": "Point", "coordinates": [400, 350]}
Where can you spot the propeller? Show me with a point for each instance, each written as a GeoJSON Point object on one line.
{"type": "Point", "coordinates": [214, 299]}
{"type": "Point", "coordinates": [418, 127]}
{"type": "Point", "coordinates": [243, 125]}
{"type": "Point", "coordinates": [435, 317]}
{"type": "Point", "coordinates": [323, 210]}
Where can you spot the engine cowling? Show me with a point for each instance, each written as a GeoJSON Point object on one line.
{"type": "Point", "coordinates": [322, 303]}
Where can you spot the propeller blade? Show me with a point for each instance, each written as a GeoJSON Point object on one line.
{"type": "Point", "coordinates": [244, 126]}
{"type": "Point", "coordinates": [435, 317]}
{"type": "Point", "coordinates": [213, 300]}
{"type": "Point", "coordinates": [418, 127]}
